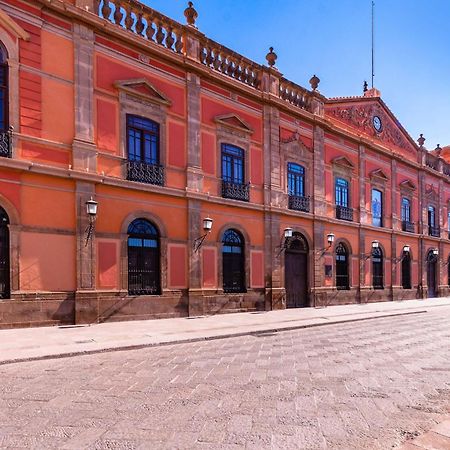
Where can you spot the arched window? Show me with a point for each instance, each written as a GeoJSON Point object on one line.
{"type": "Point", "coordinates": [143, 151]}
{"type": "Point", "coordinates": [342, 267]}
{"type": "Point", "coordinates": [4, 94]}
{"type": "Point", "coordinates": [143, 258]}
{"type": "Point", "coordinates": [233, 261]}
{"type": "Point", "coordinates": [377, 268]}
{"type": "Point", "coordinates": [4, 255]}
{"type": "Point", "coordinates": [406, 270]}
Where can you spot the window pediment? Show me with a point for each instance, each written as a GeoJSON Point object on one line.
{"type": "Point", "coordinates": [408, 185]}
{"type": "Point", "coordinates": [234, 122]}
{"type": "Point", "coordinates": [13, 27]}
{"type": "Point", "coordinates": [431, 193]}
{"type": "Point", "coordinates": [140, 88]}
{"type": "Point", "coordinates": [378, 175]}
{"type": "Point", "coordinates": [344, 162]}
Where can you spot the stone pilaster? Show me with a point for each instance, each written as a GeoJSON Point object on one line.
{"type": "Point", "coordinates": [318, 203]}
{"type": "Point", "coordinates": [396, 225]}
{"type": "Point", "coordinates": [83, 147]}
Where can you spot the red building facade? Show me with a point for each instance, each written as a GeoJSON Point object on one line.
{"type": "Point", "coordinates": [313, 201]}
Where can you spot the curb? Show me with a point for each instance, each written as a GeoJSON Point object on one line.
{"type": "Point", "coordinates": [258, 333]}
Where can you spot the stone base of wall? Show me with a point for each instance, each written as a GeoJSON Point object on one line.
{"type": "Point", "coordinates": [370, 295]}
{"type": "Point", "coordinates": [25, 309]}
{"type": "Point", "coordinates": [115, 306]}
{"type": "Point", "coordinates": [322, 297]}
{"type": "Point", "coordinates": [405, 294]}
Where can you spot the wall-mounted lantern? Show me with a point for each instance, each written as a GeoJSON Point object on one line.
{"type": "Point", "coordinates": [285, 239]}
{"type": "Point", "coordinates": [375, 245]}
{"type": "Point", "coordinates": [405, 253]}
{"type": "Point", "coordinates": [207, 227]}
{"type": "Point", "coordinates": [91, 211]}
{"type": "Point", "coordinates": [330, 240]}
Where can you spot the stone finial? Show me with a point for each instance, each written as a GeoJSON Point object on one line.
{"type": "Point", "coordinates": [271, 57]}
{"type": "Point", "coordinates": [314, 82]}
{"type": "Point", "coordinates": [191, 14]}
{"type": "Point", "coordinates": [365, 86]}
{"type": "Point", "coordinates": [438, 149]}
{"type": "Point", "coordinates": [421, 140]}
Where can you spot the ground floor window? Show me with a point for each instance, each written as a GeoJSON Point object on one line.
{"type": "Point", "coordinates": [233, 259]}
{"type": "Point", "coordinates": [342, 269]}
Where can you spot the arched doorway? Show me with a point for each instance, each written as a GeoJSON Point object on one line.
{"type": "Point", "coordinates": [233, 261]}
{"type": "Point", "coordinates": [143, 259]}
{"type": "Point", "coordinates": [4, 255]}
{"type": "Point", "coordinates": [296, 272]}
{"type": "Point", "coordinates": [432, 274]}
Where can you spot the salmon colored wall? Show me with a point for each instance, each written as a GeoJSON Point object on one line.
{"type": "Point", "coordinates": [256, 269]}
{"type": "Point", "coordinates": [9, 187]}
{"type": "Point", "coordinates": [107, 262]}
{"type": "Point", "coordinates": [47, 202]}
{"type": "Point", "coordinates": [177, 266]}
{"type": "Point", "coordinates": [30, 92]}
{"type": "Point", "coordinates": [256, 166]}
{"type": "Point", "coordinates": [209, 267]}
{"type": "Point", "coordinates": [211, 108]}
{"type": "Point", "coordinates": [47, 155]}
{"type": "Point", "coordinates": [108, 71]}
{"type": "Point", "coordinates": [107, 125]}
{"type": "Point", "coordinates": [57, 111]}
{"type": "Point", "coordinates": [62, 64]}
{"type": "Point", "coordinates": [47, 262]}
{"type": "Point", "coordinates": [177, 145]}
{"type": "Point", "coordinates": [208, 148]}
{"type": "Point", "coordinates": [109, 166]}
{"type": "Point", "coordinates": [115, 204]}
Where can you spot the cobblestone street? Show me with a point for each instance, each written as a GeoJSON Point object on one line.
{"type": "Point", "coordinates": [369, 384]}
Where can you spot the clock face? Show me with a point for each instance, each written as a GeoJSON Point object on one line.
{"type": "Point", "coordinates": [377, 123]}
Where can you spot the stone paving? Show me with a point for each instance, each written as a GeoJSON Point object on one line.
{"type": "Point", "coordinates": [362, 385]}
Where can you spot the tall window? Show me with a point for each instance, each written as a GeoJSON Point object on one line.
{"type": "Point", "coordinates": [3, 90]}
{"type": "Point", "coordinates": [342, 267]}
{"type": "Point", "coordinates": [448, 270]}
{"type": "Point", "coordinates": [342, 192]}
{"type": "Point", "coordinates": [377, 208]}
{"type": "Point", "coordinates": [296, 180]}
{"type": "Point", "coordinates": [433, 229]}
{"type": "Point", "coordinates": [233, 258]}
{"type": "Point", "coordinates": [377, 268]}
{"type": "Point", "coordinates": [143, 258]}
{"type": "Point", "coordinates": [232, 164]}
{"type": "Point", "coordinates": [143, 140]}
{"type": "Point", "coordinates": [406, 210]}
{"type": "Point", "coordinates": [406, 270]}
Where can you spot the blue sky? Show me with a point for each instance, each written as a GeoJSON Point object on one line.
{"type": "Point", "coordinates": [333, 39]}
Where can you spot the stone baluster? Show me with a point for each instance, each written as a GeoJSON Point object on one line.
{"type": "Point", "coordinates": [118, 15]}
{"type": "Point", "coordinates": [159, 33]}
{"type": "Point", "coordinates": [223, 63]}
{"type": "Point", "coordinates": [150, 31]}
{"type": "Point", "coordinates": [209, 56]}
{"type": "Point", "coordinates": [96, 5]}
{"type": "Point", "coordinates": [170, 40]}
{"type": "Point", "coordinates": [139, 24]}
{"type": "Point", "coordinates": [216, 62]}
{"type": "Point", "coordinates": [179, 42]}
{"type": "Point", "coordinates": [238, 71]}
{"type": "Point", "coordinates": [129, 20]}
{"type": "Point", "coordinates": [106, 10]}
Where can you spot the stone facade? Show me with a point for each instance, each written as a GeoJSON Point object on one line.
{"type": "Point", "coordinates": [78, 69]}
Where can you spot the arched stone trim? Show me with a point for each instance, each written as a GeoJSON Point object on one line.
{"type": "Point", "coordinates": [247, 248]}
{"type": "Point", "coordinates": [163, 243]}
{"type": "Point", "coordinates": [12, 49]}
{"type": "Point", "coordinates": [305, 234]}
{"type": "Point", "coordinates": [14, 242]}
{"type": "Point", "coordinates": [345, 242]}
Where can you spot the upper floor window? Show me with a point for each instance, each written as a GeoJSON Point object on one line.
{"type": "Point", "coordinates": [377, 208]}
{"type": "Point", "coordinates": [233, 173]}
{"type": "Point", "coordinates": [406, 210]}
{"type": "Point", "coordinates": [4, 94]}
{"type": "Point", "coordinates": [377, 268]}
{"type": "Point", "coordinates": [296, 179]}
{"type": "Point", "coordinates": [342, 197]}
{"type": "Point", "coordinates": [433, 228]}
{"type": "Point", "coordinates": [448, 222]}
{"type": "Point", "coordinates": [232, 164]}
{"type": "Point", "coordinates": [143, 151]}
{"type": "Point", "coordinates": [233, 261]}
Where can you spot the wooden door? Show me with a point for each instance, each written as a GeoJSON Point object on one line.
{"type": "Point", "coordinates": [296, 279]}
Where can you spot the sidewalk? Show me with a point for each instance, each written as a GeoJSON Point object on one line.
{"type": "Point", "coordinates": [50, 342]}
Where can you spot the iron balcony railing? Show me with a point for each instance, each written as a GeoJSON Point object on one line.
{"type": "Point", "coordinates": [299, 203]}
{"type": "Point", "coordinates": [6, 143]}
{"type": "Point", "coordinates": [434, 231]}
{"type": "Point", "coordinates": [236, 191]}
{"type": "Point", "coordinates": [145, 173]}
{"type": "Point", "coordinates": [407, 226]}
{"type": "Point", "coordinates": [344, 213]}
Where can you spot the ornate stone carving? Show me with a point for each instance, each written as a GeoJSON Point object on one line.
{"type": "Point", "coordinates": [361, 117]}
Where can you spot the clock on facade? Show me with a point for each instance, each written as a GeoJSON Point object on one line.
{"type": "Point", "coordinates": [377, 123]}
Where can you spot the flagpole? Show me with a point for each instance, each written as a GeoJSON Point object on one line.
{"type": "Point", "coordinates": [373, 42]}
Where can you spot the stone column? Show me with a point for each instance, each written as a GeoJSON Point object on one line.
{"type": "Point", "coordinates": [395, 225]}
{"type": "Point", "coordinates": [86, 308]}
{"type": "Point", "coordinates": [83, 147]}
